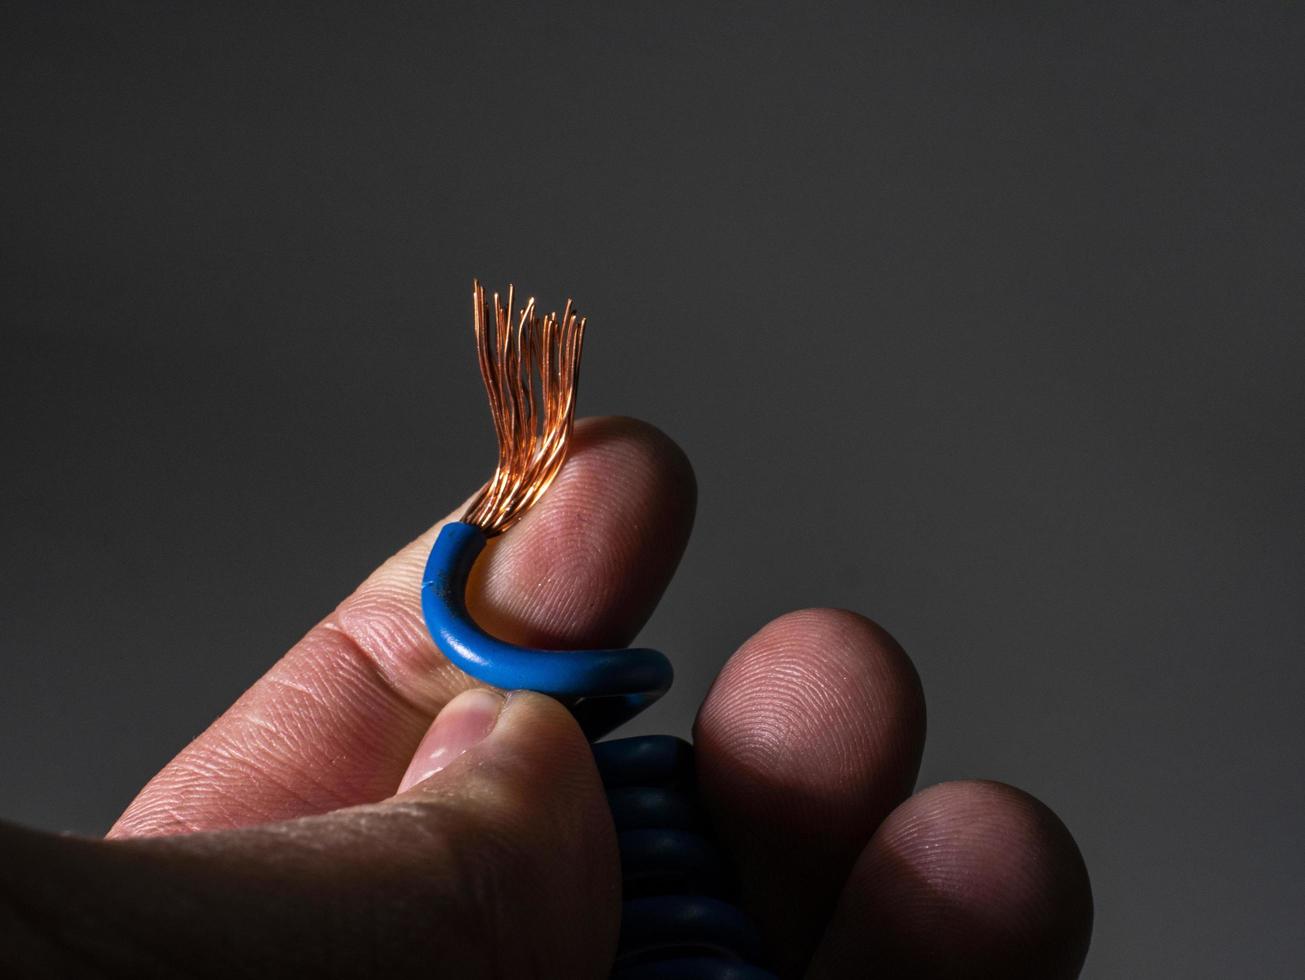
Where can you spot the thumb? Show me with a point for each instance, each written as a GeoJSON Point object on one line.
{"type": "Point", "coordinates": [497, 858]}
{"type": "Point", "coordinates": [508, 786]}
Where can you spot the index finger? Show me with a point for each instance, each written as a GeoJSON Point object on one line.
{"type": "Point", "coordinates": [335, 721]}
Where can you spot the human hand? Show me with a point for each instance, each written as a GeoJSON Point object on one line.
{"type": "Point", "coordinates": [276, 844]}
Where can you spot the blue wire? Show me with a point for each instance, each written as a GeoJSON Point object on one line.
{"type": "Point", "coordinates": [676, 921]}
{"type": "Point", "coordinates": [605, 687]}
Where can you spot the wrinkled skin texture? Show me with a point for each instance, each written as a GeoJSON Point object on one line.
{"type": "Point", "coordinates": [277, 843]}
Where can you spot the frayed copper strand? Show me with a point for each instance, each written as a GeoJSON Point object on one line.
{"type": "Point", "coordinates": [530, 368]}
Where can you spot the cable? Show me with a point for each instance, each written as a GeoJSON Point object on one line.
{"type": "Point", "coordinates": [676, 921]}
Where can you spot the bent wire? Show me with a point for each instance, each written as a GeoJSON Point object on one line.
{"type": "Point", "coordinates": [677, 920]}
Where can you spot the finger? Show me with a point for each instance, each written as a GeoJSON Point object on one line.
{"type": "Point", "coordinates": [810, 735]}
{"type": "Point", "coordinates": [967, 879]}
{"type": "Point", "coordinates": [335, 721]}
{"type": "Point", "coordinates": [503, 860]}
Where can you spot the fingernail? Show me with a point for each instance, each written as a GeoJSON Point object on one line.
{"type": "Point", "coordinates": [462, 723]}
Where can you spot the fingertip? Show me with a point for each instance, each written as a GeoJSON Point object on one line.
{"type": "Point", "coordinates": [826, 700]}
{"type": "Point", "coordinates": [966, 879]}
{"type": "Point", "coordinates": [540, 736]}
{"type": "Point", "coordinates": [811, 734]}
{"type": "Point", "coordinates": [460, 726]}
{"type": "Point", "coordinates": [525, 743]}
{"type": "Point", "coordinates": [590, 560]}
{"type": "Point", "coordinates": [638, 443]}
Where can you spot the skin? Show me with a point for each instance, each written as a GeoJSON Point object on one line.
{"type": "Point", "coordinates": [325, 826]}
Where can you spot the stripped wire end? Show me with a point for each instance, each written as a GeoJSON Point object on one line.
{"type": "Point", "coordinates": [530, 366]}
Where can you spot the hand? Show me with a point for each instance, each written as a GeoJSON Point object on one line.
{"type": "Point", "coordinates": [276, 843]}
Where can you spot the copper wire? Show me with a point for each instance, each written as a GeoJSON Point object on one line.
{"type": "Point", "coordinates": [530, 367]}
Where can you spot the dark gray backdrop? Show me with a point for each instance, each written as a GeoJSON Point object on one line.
{"type": "Point", "coordinates": [983, 319]}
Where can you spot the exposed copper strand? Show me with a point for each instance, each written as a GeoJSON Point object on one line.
{"type": "Point", "coordinates": [530, 365]}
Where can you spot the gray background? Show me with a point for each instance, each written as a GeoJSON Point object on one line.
{"type": "Point", "coordinates": [983, 319]}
